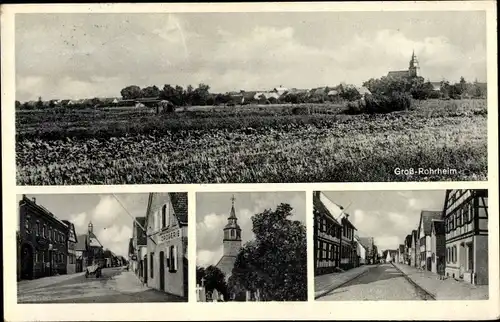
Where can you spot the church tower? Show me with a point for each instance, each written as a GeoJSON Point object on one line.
{"type": "Point", "coordinates": [414, 68]}
{"type": "Point", "coordinates": [232, 234]}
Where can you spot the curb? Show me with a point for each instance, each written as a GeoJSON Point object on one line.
{"type": "Point", "coordinates": [323, 293]}
{"type": "Point", "coordinates": [412, 282]}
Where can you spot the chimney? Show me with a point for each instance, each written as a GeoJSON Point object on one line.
{"type": "Point", "coordinates": [317, 194]}
{"type": "Point", "coordinates": [347, 216]}
{"type": "Point", "coordinates": [34, 199]}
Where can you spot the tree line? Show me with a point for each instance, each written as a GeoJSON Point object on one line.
{"type": "Point", "coordinates": [416, 87]}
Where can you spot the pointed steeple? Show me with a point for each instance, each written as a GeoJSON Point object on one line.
{"type": "Point", "coordinates": [232, 214]}
{"type": "Point", "coordinates": [232, 230]}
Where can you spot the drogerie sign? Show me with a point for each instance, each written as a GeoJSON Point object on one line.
{"type": "Point", "coordinates": [169, 235]}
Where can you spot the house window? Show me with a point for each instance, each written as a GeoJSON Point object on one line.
{"type": "Point", "coordinates": [173, 259]}
{"type": "Point", "coordinates": [27, 224]}
{"type": "Point", "coordinates": [164, 216]}
{"type": "Point", "coordinates": [37, 228]}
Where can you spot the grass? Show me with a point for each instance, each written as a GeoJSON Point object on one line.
{"type": "Point", "coordinates": [252, 145]}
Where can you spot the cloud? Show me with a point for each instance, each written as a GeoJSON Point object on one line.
{"type": "Point", "coordinates": [205, 258]}
{"type": "Point", "coordinates": [115, 238]}
{"type": "Point", "coordinates": [59, 56]}
{"type": "Point", "coordinates": [106, 210]}
{"type": "Point", "coordinates": [79, 220]}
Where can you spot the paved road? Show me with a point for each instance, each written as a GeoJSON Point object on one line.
{"type": "Point", "coordinates": [116, 285]}
{"type": "Point", "coordinates": [383, 283]}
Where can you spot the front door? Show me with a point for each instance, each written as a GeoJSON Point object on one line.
{"type": "Point", "coordinates": [27, 262]}
{"type": "Point", "coordinates": [162, 271]}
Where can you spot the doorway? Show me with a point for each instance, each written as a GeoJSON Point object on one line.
{"type": "Point", "coordinates": [27, 262]}
{"type": "Point", "coordinates": [162, 271]}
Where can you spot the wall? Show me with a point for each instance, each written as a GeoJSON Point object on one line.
{"type": "Point", "coordinates": [481, 259]}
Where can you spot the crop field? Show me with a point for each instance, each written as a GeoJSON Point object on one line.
{"type": "Point", "coordinates": [251, 144]}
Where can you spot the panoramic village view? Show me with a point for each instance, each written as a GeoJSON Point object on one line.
{"type": "Point", "coordinates": [106, 249]}
{"type": "Point", "coordinates": [423, 245]}
{"type": "Point", "coordinates": [109, 101]}
{"type": "Point", "coordinates": [251, 247]}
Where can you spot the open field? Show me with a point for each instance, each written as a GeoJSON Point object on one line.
{"type": "Point", "coordinates": [251, 144]}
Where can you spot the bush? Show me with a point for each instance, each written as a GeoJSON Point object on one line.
{"type": "Point", "coordinates": [386, 104]}
{"type": "Point", "coordinates": [300, 110]}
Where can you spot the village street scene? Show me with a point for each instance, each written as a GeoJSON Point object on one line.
{"type": "Point", "coordinates": [78, 248]}
{"type": "Point", "coordinates": [422, 245]}
{"type": "Point", "coordinates": [251, 247]}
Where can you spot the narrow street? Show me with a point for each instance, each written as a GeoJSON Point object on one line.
{"type": "Point", "coordinates": [116, 285]}
{"type": "Point", "coordinates": [382, 282]}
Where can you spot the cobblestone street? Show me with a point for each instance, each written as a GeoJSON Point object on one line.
{"type": "Point", "coordinates": [116, 285]}
{"type": "Point", "coordinates": [382, 282]}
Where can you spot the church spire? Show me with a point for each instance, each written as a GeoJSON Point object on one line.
{"type": "Point", "coordinates": [232, 214]}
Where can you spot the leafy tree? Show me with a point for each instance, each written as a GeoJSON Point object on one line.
{"type": "Point", "coordinates": [214, 279]}
{"type": "Point", "coordinates": [18, 105]}
{"type": "Point", "coordinates": [276, 261]}
{"type": "Point", "coordinates": [150, 91]}
{"type": "Point", "coordinates": [131, 92]}
{"type": "Point", "coordinates": [200, 94]}
{"type": "Point", "coordinates": [350, 94]}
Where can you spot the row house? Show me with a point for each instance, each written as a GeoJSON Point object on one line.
{"type": "Point", "coordinates": [166, 261]}
{"type": "Point", "coordinates": [438, 248]}
{"type": "Point", "coordinates": [334, 242]}
{"type": "Point", "coordinates": [372, 251]}
{"type": "Point", "coordinates": [327, 236]}
{"type": "Point", "coordinates": [72, 241]}
{"type": "Point", "coordinates": [361, 250]}
{"type": "Point", "coordinates": [401, 253]}
{"type": "Point", "coordinates": [466, 229]}
{"type": "Point", "coordinates": [407, 244]}
{"type": "Point", "coordinates": [42, 241]}
{"type": "Point", "coordinates": [424, 230]}
{"type": "Point", "coordinates": [139, 248]}
{"type": "Point", "coordinates": [413, 249]}
{"type": "Point", "coordinates": [348, 256]}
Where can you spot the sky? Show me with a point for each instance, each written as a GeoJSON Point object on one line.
{"type": "Point", "coordinates": [112, 224]}
{"type": "Point", "coordinates": [65, 55]}
{"type": "Point", "coordinates": [212, 211]}
{"type": "Point", "coordinates": [388, 216]}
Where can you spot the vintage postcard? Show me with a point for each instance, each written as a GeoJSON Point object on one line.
{"type": "Point", "coordinates": [337, 160]}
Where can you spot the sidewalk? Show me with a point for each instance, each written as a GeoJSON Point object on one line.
{"type": "Point", "coordinates": [324, 284]}
{"type": "Point", "coordinates": [127, 282]}
{"type": "Point", "coordinates": [45, 281]}
{"type": "Point", "coordinates": [448, 289]}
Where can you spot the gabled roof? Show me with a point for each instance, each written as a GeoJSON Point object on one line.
{"type": "Point", "coordinates": [320, 207]}
{"type": "Point", "coordinates": [93, 241]}
{"type": "Point", "coordinates": [398, 73]}
{"type": "Point", "coordinates": [226, 264]}
{"type": "Point", "coordinates": [179, 203]}
{"type": "Point", "coordinates": [426, 218]}
{"type": "Point", "coordinates": [139, 233]}
{"type": "Point", "coordinates": [367, 242]}
{"type": "Point", "coordinates": [81, 243]}
{"type": "Point", "coordinates": [408, 241]}
{"type": "Point", "coordinates": [438, 227]}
